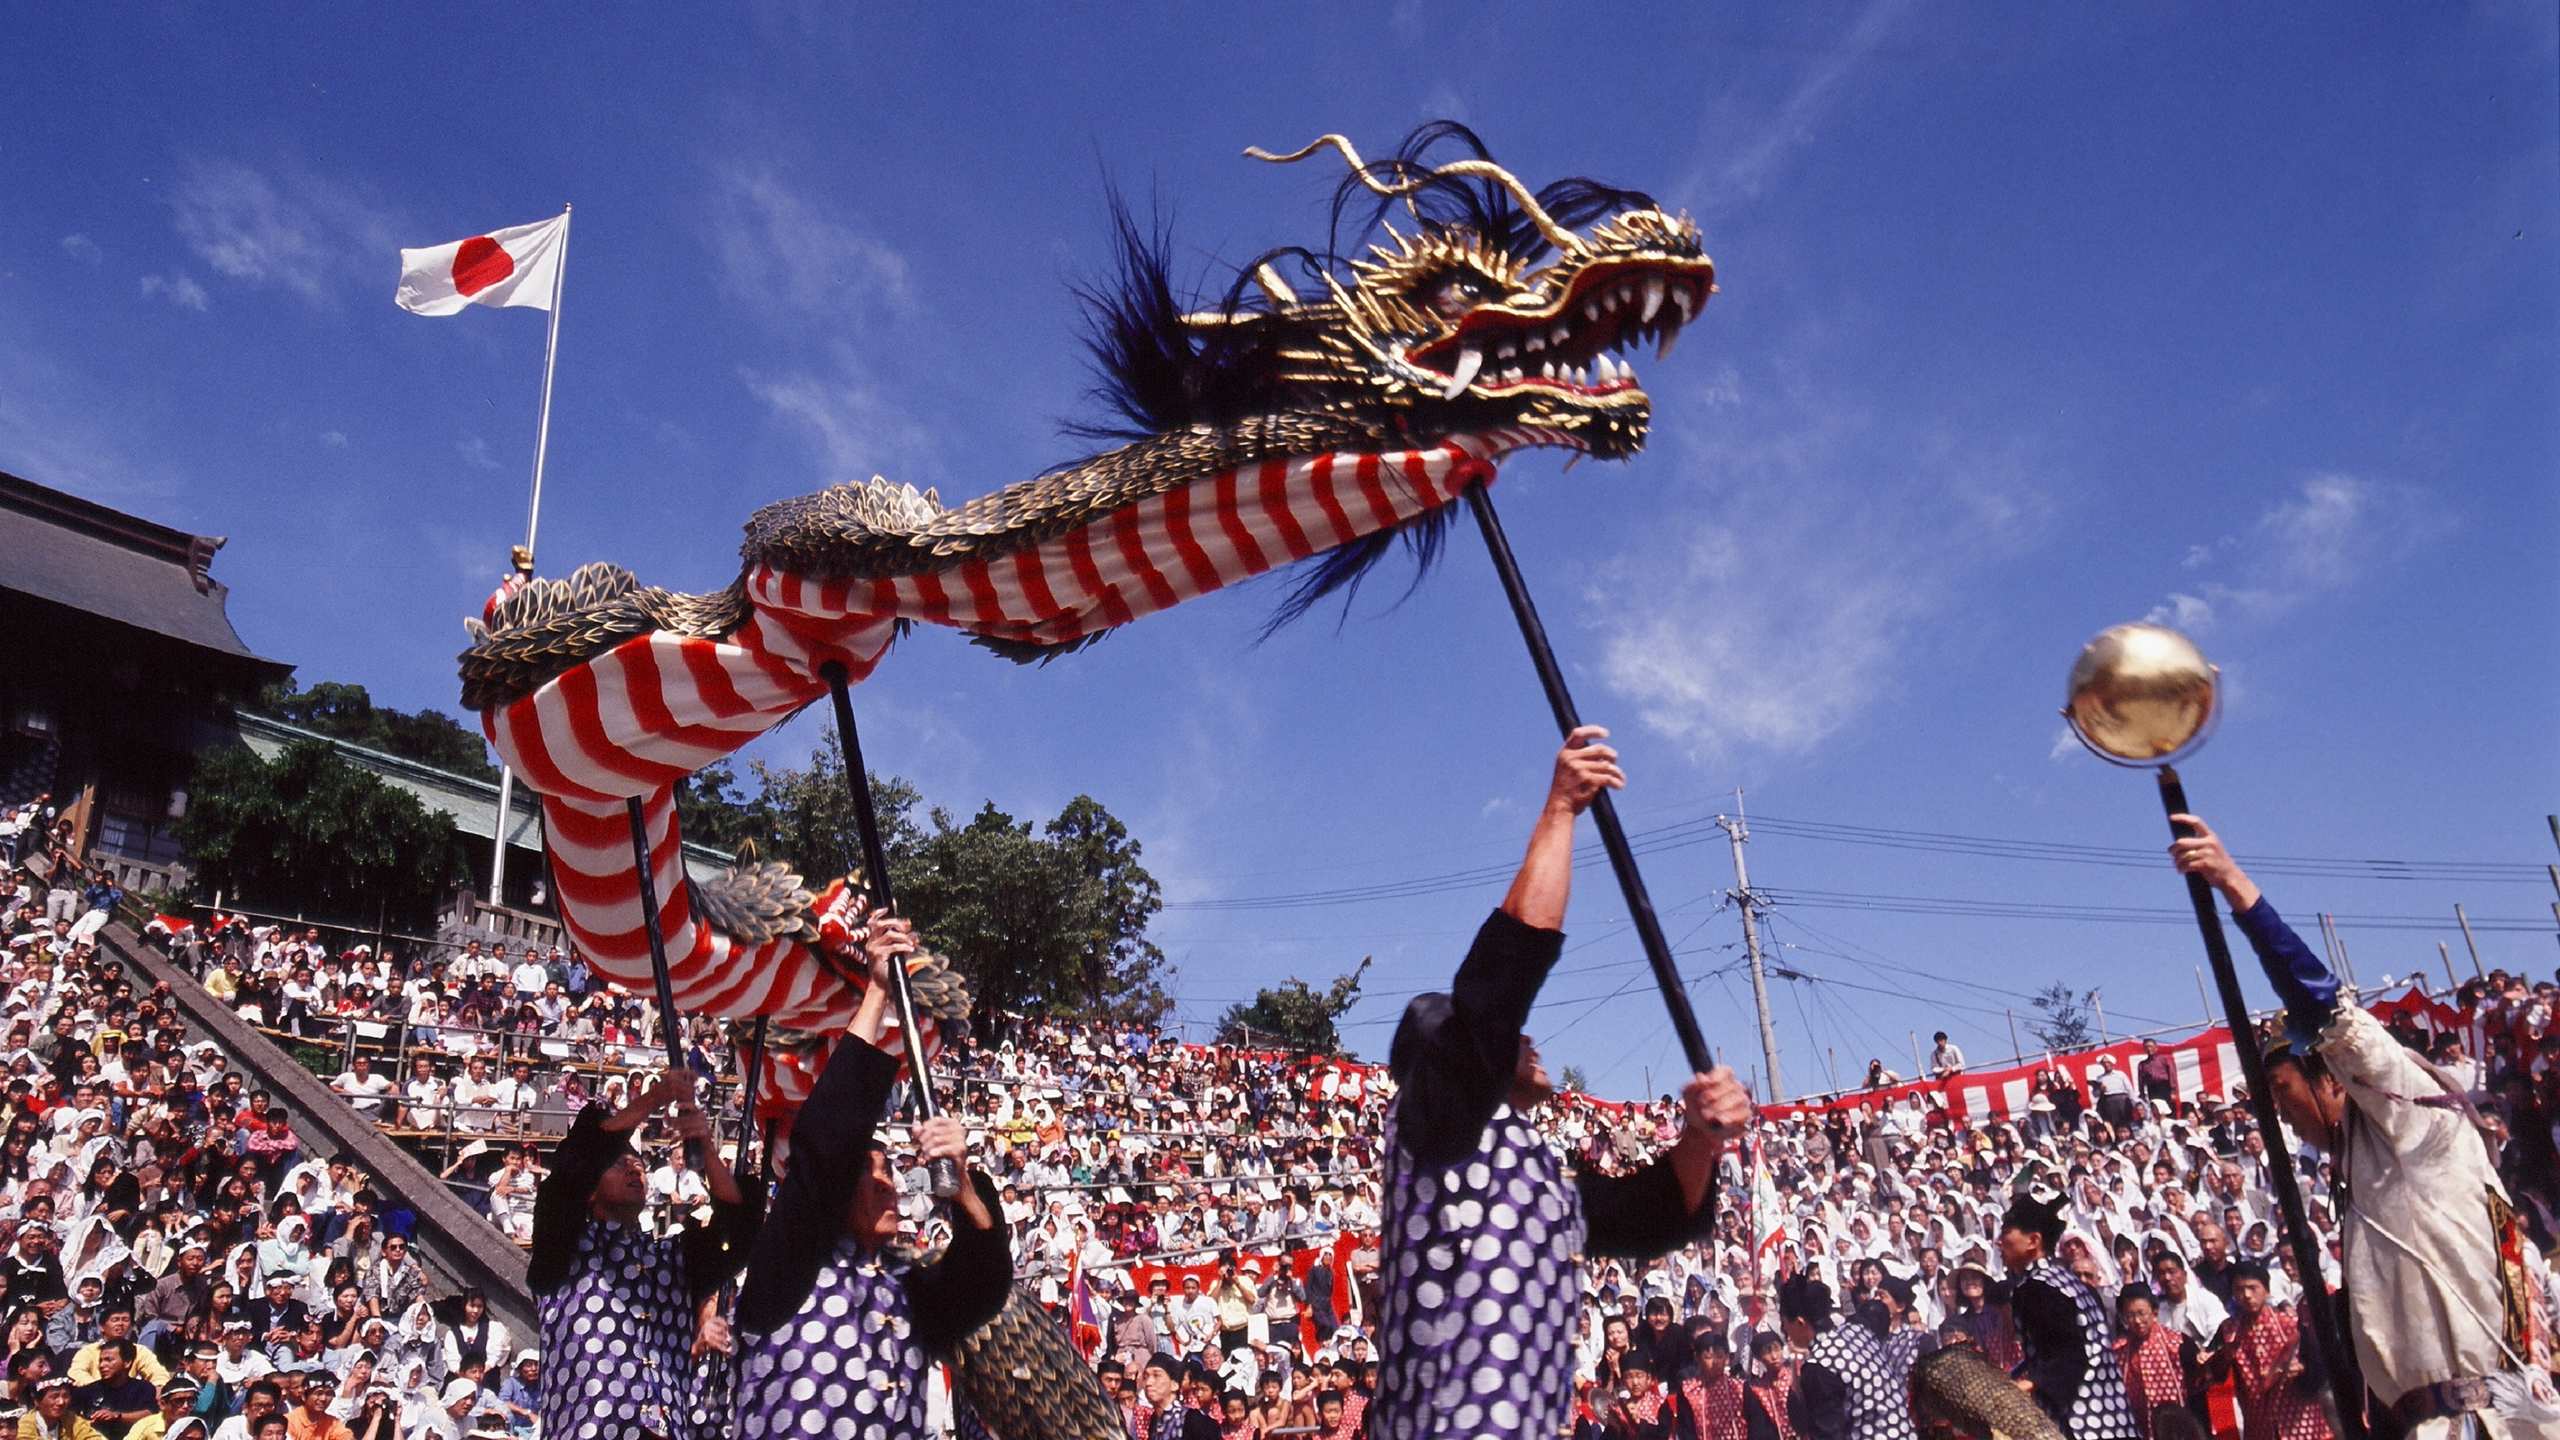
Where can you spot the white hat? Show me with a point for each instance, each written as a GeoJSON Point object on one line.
{"type": "Point", "coordinates": [458, 1389]}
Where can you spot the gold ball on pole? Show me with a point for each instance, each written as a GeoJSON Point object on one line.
{"type": "Point", "coordinates": [2141, 695]}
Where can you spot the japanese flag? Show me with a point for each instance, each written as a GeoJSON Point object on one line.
{"type": "Point", "coordinates": [518, 266]}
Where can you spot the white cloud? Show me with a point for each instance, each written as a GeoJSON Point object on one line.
{"type": "Point", "coordinates": [857, 425]}
{"type": "Point", "coordinates": [475, 453]}
{"type": "Point", "coordinates": [283, 227]}
{"type": "Point", "coordinates": [786, 254]}
{"type": "Point", "coordinates": [1782, 612]}
{"type": "Point", "coordinates": [2318, 538]}
{"type": "Point", "coordinates": [83, 249]}
{"type": "Point", "coordinates": [1773, 142]}
{"type": "Point", "coordinates": [334, 439]}
{"type": "Point", "coordinates": [179, 289]}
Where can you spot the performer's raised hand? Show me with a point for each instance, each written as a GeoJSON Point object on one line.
{"type": "Point", "coordinates": [944, 1138]}
{"type": "Point", "coordinates": [1715, 1105]}
{"type": "Point", "coordinates": [2201, 853]}
{"type": "Point", "coordinates": [891, 937]}
{"type": "Point", "coordinates": [1584, 768]}
{"type": "Point", "coordinates": [676, 1087]}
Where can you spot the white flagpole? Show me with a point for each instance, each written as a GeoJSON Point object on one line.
{"type": "Point", "coordinates": [524, 557]}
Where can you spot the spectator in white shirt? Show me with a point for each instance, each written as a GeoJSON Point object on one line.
{"type": "Point", "coordinates": [1945, 1057]}
{"type": "Point", "coordinates": [476, 1098]}
{"type": "Point", "coordinates": [363, 1088]}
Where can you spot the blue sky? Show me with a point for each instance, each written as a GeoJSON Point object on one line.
{"type": "Point", "coordinates": [2035, 319]}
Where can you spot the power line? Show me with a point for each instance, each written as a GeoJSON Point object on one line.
{"type": "Point", "coordinates": [2089, 913]}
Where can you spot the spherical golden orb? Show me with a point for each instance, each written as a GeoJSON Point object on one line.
{"type": "Point", "coordinates": [2141, 694]}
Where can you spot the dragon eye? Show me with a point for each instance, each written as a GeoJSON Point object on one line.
{"type": "Point", "coordinates": [1454, 295]}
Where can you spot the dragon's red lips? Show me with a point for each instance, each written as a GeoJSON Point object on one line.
{"type": "Point", "coordinates": [1565, 347]}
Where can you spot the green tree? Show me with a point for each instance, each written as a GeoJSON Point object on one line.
{"type": "Point", "coordinates": [347, 712]}
{"type": "Point", "coordinates": [1294, 1015]}
{"type": "Point", "coordinates": [1574, 1079]}
{"type": "Point", "coordinates": [715, 812]}
{"type": "Point", "coordinates": [2066, 1024]}
{"type": "Point", "coordinates": [312, 834]}
{"type": "Point", "coordinates": [808, 816]}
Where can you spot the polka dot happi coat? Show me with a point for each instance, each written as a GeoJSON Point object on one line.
{"type": "Point", "coordinates": [847, 1367]}
{"type": "Point", "coordinates": [2101, 1411]}
{"type": "Point", "coordinates": [616, 1340]}
{"type": "Point", "coordinates": [1878, 1401]}
{"type": "Point", "coordinates": [1481, 1291]}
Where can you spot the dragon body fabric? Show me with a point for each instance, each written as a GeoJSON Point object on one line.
{"type": "Point", "coordinates": [1272, 429]}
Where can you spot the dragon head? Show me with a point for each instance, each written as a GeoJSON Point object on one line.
{"type": "Point", "coordinates": [1494, 312]}
{"type": "Point", "coordinates": [1494, 308]}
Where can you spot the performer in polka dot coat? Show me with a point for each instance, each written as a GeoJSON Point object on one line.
{"type": "Point", "coordinates": [618, 1307]}
{"type": "Point", "coordinates": [1847, 1390]}
{"type": "Point", "coordinates": [1484, 1228]}
{"type": "Point", "coordinates": [2070, 1364]}
{"type": "Point", "coordinates": [837, 1324]}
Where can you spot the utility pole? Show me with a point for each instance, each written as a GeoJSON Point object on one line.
{"type": "Point", "coordinates": [2474, 946]}
{"type": "Point", "coordinates": [1738, 830]}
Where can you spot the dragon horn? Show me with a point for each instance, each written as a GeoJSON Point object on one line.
{"type": "Point", "coordinates": [1563, 239]}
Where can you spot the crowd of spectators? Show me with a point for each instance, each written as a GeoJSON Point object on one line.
{"type": "Point", "coordinates": [176, 1264]}
{"type": "Point", "coordinates": [1218, 1204]}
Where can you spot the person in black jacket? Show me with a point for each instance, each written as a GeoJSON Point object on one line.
{"type": "Point", "coordinates": [619, 1307]}
{"type": "Point", "coordinates": [837, 1324]}
{"type": "Point", "coordinates": [1479, 1261]}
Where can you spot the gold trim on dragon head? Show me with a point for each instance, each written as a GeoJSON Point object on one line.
{"type": "Point", "coordinates": [1462, 329]}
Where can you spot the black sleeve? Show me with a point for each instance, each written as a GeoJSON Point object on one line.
{"type": "Point", "coordinates": [714, 1253]}
{"type": "Point", "coordinates": [828, 1143]}
{"type": "Point", "coordinates": [1820, 1404]}
{"type": "Point", "coordinates": [1465, 1058]}
{"type": "Point", "coordinates": [2049, 1324]}
{"type": "Point", "coordinates": [2191, 1367]}
{"type": "Point", "coordinates": [560, 1200]}
{"type": "Point", "coordinates": [1640, 1216]}
{"type": "Point", "coordinates": [966, 1287]}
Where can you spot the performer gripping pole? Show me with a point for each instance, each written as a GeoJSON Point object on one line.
{"type": "Point", "coordinates": [2432, 1253]}
{"type": "Point", "coordinates": [837, 1325]}
{"type": "Point", "coordinates": [1484, 1232]}
{"type": "Point", "coordinates": [618, 1306]}
{"type": "Point", "coordinates": [944, 1170]}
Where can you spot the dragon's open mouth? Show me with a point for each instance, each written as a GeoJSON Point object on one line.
{"type": "Point", "coordinates": [1565, 346]}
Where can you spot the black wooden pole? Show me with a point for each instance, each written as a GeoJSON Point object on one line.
{"type": "Point", "coordinates": [750, 1133]}
{"type": "Point", "coordinates": [657, 948]}
{"type": "Point", "coordinates": [1613, 836]}
{"type": "Point", "coordinates": [2316, 1299]}
{"type": "Point", "coordinates": [875, 866]}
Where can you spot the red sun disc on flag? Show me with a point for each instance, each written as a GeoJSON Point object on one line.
{"type": "Point", "coordinates": [479, 263]}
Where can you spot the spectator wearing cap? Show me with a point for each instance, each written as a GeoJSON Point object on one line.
{"type": "Point", "coordinates": [50, 1416]}
{"type": "Point", "coordinates": [241, 1365]}
{"type": "Point", "coordinates": [521, 1395]}
{"type": "Point", "coordinates": [177, 1401]}
{"type": "Point", "coordinates": [117, 1397]}
{"type": "Point", "coordinates": [1904, 1339]}
{"type": "Point", "coordinates": [213, 1398]}
{"type": "Point", "coordinates": [311, 1419]}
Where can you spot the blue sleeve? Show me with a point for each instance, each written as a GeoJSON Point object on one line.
{"type": "Point", "coordinates": [2309, 991]}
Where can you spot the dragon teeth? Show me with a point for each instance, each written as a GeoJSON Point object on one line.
{"type": "Point", "coordinates": [1547, 371]}
{"type": "Point", "coordinates": [1470, 365]}
{"type": "Point", "coordinates": [1559, 335]}
{"type": "Point", "coordinates": [1654, 292]}
{"type": "Point", "coordinates": [1670, 337]}
{"type": "Point", "coordinates": [1685, 301]}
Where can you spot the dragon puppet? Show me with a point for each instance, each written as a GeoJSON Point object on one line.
{"type": "Point", "coordinates": [1327, 407]}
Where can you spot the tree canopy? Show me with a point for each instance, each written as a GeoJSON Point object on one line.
{"type": "Point", "coordinates": [1042, 917]}
{"type": "Point", "coordinates": [1294, 1015]}
{"type": "Point", "coordinates": [347, 712]}
{"type": "Point", "coordinates": [2065, 1025]}
{"type": "Point", "coordinates": [311, 834]}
